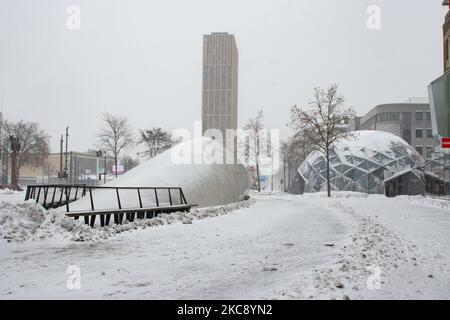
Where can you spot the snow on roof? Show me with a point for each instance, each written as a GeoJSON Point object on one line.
{"type": "Point", "coordinates": [379, 141]}
{"type": "Point", "coordinates": [189, 165]}
{"type": "Point", "coordinates": [417, 100]}
{"type": "Point", "coordinates": [400, 173]}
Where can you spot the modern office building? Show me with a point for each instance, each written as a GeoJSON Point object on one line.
{"type": "Point", "coordinates": [446, 38]}
{"type": "Point", "coordinates": [439, 89]}
{"type": "Point", "coordinates": [410, 121]}
{"type": "Point", "coordinates": [220, 84]}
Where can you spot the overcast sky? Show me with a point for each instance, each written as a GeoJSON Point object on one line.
{"type": "Point", "coordinates": [142, 58]}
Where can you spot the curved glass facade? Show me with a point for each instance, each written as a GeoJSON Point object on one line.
{"type": "Point", "coordinates": [360, 164]}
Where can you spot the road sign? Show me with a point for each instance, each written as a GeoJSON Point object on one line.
{"type": "Point", "coordinates": [445, 143]}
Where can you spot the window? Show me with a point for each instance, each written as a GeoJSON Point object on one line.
{"type": "Point", "coordinates": [388, 116]}
{"type": "Point", "coordinates": [419, 133]}
{"type": "Point", "coordinates": [429, 133]}
{"type": "Point", "coordinates": [419, 115]}
{"type": "Point", "coordinates": [407, 135]}
{"type": "Point", "coordinates": [419, 149]}
{"type": "Point", "coordinates": [428, 116]}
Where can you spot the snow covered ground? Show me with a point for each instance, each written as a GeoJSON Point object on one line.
{"type": "Point", "coordinates": [274, 246]}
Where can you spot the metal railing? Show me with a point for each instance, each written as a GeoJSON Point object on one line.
{"type": "Point", "coordinates": [54, 196]}
{"type": "Point", "coordinates": [166, 200]}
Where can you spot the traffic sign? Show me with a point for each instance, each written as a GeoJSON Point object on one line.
{"type": "Point", "coordinates": [445, 143]}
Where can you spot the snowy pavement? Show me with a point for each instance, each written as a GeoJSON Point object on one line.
{"type": "Point", "coordinates": [280, 247]}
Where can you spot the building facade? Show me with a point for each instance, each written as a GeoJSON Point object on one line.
{"type": "Point", "coordinates": [82, 168]}
{"type": "Point", "coordinates": [446, 39]}
{"type": "Point", "coordinates": [220, 84]}
{"type": "Point", "coordinates": [439, 89]}
{"type": "Point", "coordinates": [410, 121]}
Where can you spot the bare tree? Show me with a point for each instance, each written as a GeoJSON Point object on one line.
{"type": "Point", "coordinates": [129, 162]}
{"type": "Point", "coordinates": [284, 155]}
{"type": "Point", "coordinates": [155, 140]}
{"type": "Point", "coordinates": [32, 143]}
{"type": "Point", "coordinates": [256, 143]}
{"type": "Point", "coordinates": [293, 152]}
{"type": "Point", "coordinates": [115, 136]}
{"type": "Point", "coordinates": [322, 123]}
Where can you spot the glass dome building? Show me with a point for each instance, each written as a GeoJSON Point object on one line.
{"type": "Point", "coordinates": [366, 162]}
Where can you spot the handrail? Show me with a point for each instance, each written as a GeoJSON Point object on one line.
{"type": "Point", "coordinates": [97, 187]}
{"type": "Point", "coordinates": [66, 190]}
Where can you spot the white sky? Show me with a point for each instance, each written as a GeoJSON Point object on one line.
{"type": "Point", "coordinates": [143, 58]}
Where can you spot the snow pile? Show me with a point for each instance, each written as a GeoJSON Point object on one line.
{"type": "Point", "coordinates": [19, 221]}
{"type": "Point", "coordinates": [189, 165]}
{"type": "Point", "coordinates": [426, 201]}
{"type": "Point", "coordinates": [30, 221]}
{"type": "Point", "coordinates": [7, 191]}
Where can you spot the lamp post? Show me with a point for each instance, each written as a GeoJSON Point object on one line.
{"type": "Point", "coordinates": [66, 156]}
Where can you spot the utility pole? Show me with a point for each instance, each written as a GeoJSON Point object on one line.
{"type": "Point", "coordinates": [67, 143]}
{"type": "Point", "coordinates": [61, 157]}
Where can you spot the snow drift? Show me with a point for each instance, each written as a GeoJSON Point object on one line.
{"type": "Point", "coordinates": [24, 221]}
{"type": "Point", "coordinates": [193, 165]}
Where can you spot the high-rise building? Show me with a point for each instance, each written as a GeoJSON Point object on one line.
{"type": "Point", "coordinates": [446, 38]}
{"type": "Point", "coordinates": [220, 84]}
{"type": "Point", "coordinates": [439, 89]}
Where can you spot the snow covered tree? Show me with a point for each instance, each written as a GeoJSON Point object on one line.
{"type": "Point", "coordinates": [155, 140]}
{"type": "Point", "coordinates": [115, 136]}
{"type": "Point", "coordinates": [323, 122]}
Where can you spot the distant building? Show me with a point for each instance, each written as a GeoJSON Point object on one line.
{"type": "Point", "coordinates": [220, 83]}
{"type": "Point", "coordinates": [83, 168]}
{"type": "Point", "coordinates": [355, 124]}
{"type": "Point", "coordinates": [410, 121]}
{"type": "Point", "coordinates": [439, 95]}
